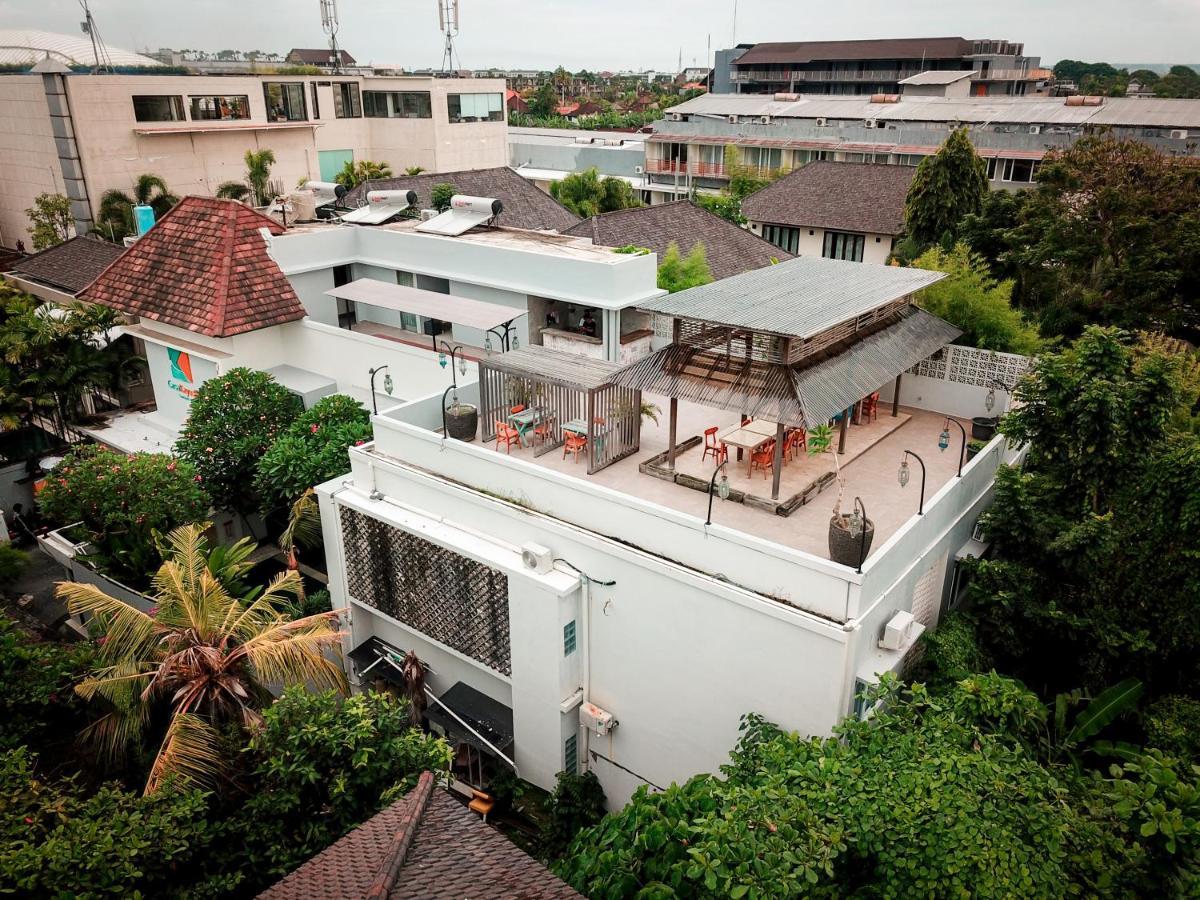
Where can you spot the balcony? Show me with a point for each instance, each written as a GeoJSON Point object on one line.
{"type": "Point", "coordinates": [674, 166]}
{"type": "Point", "coordinates": [821, 76]}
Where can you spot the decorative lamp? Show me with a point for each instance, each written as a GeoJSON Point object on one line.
{"type": "Point", "coordinates": [989, 401]}
{"type": "Point", "coordinates": [944, 438]}
{"type": "Point", "coordinates": [903, 475]}
{"type": "Point", "coordinates": [723, 487]}
{"type": "Point", "coordinates": [487, 343]}
{"type": "Point", "coordinates": [856, 523]}
{"type": "Point", "coordinates": [387, 383]}
{"type": "Point", "coordinates": [462, 366]}
{"type": "Point", "coordinates": [442, 360]}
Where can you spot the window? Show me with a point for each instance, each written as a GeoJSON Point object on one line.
{"type": "Point", "coordinates": [569, 638]}
{"type": "Point", "coordinates": [1021, 171]}
{"type": "Point", "coordinates": [765, 159]}
{"type": "Point", "coordinates": [571, 755]}
{"type": "Point", "coordinates": [220, 107]}
{"type": "Point", "coordinates": [475, 107]}
{"type": "Point", "coordinates": [315, 99]}
{"type": "Point", "coordinates": [840, 245]}
{"type": "Point", "coordinates": [783, 237]}
{"type": "Point", "coordinates": [397, 105]}
{"type": "Point", "coordinates": [347, 100]}
{"type": "Point", "coordinates": [158, 109]}
{"type": "Point", "coordinates": [285, 101]}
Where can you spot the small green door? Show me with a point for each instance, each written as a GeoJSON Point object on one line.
{"type": "Point", "coordinates": [331, 162]}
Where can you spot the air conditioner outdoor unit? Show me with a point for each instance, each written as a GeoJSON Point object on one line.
{"type": "Point", "coordinates": [898, 631]}
{"type": "Point", "coordinates": [639, 170]}
{"type": "Point", "coordinates": [1179, 134]}
{"type": "Point", "coordinates": [871, 123]}
{"type": "Point", "coordinates": [764, 120]}
{"type": "Point", "coordinates": [732, 120]}
{"type": "Point", "coordinates": [537, 557]}
{"type": "Point", "coordinates": [675, 117]}
{"type": "Point", "coordinates": [595, 719]}
{"type": "Point", "coordinates": [977, 532]}
{"type": "Point", "coordinates": [1035, 129]}
{"type": "Point", "coordinates": [822, 122]}
{"type": "Point", "coordinates": [427, 214]}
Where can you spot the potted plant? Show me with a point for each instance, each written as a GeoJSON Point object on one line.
{"type": "Point", "coordinates": [983, 428]}
{"type": "Point", "coordinates": [973, 448]}
{"type": "Point", "coordinates": [462, 419]}
{"type": "Point", "coordinates": [844, 548]}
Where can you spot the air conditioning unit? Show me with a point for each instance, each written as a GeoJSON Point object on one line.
{"type": "Point", "coordinates": [1179, 134]}
{"type": "Point", "coordinates": [871, 123]}
{"type": "Point", "coordinates": [822, 122]}
{"type": "Point", "coordinates": [427, 214]}
{"type": "Point", "coordinates": [1035, 129]}
{"type": "Point", "coordinates": [764, 120]}
{"type": "Point", "coordinates": [639, 170]}
{"type": "Point", "coordinates": [538, 558]}
{"type": "Point", "coordinates": [595, 719]}
{"type": "Point", "coordinates": [977, 532]}
{"type": "Point", "coordinates": [674, 117]}
{"type": "Point", "coordinates": [898, 631]}
{"type": "Point", "coordinates": [732, 120]}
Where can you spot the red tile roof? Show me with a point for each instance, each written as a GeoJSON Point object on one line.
{"type": "Point", "coordinates": [425, 845]}
{"type": "Point", "coordinates": [203, 267]}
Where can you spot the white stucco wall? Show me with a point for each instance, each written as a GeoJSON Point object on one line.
{"type": "Point", "coordinates": [28, 158]}
{"type": "Point", "coordinates": [876, 247]}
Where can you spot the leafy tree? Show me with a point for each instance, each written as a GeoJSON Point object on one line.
{"type": "Point", "coordinates": [122, 500]}
{"type": "Point", "coordinates": [116, 207]}
{"type": "Point", "coordinates": [577, 802]}
{"type": "Point", "coordinates": [991, 233]}
{"type": "Point", "coordinates": [321, 765]}
{"type": "Point", "coordinates": [1172, 724]}
{"type": "Point", "coordinates": [355, 173]}
{"type": "Point", "coordinates": [543, 102]}
{"type": "Point", "coordinates": [50, 220]}
{"type": "Point", "coordinates": [311, 451]}
{"type": "Point", "coordinates": [233, 190]}
{"type": "Point", "coordinates": [933, 796]}
{"type": "Point", "coordinates": [441, 194]}
{"type": "Point", "coordinates": [676, 273]}
{"type": "Point", "coordinates": [1114, 227]}
{"type": "Point", "coordinates": [37, 703]}
{"type": "Point", "coordinates": [949, 185]}
{"type": "Point", "coordinates": [234, 420]}
{"type": "Point", "coordinates": [587, 194]}
{"type": "Point", "coordinates": [1179, 82]}
{"type": "Point", "coordinates": [725, 205]}
{"type": "Point", "coordinates": [258, 174]}
{"type": "Point", "coordinates": [971, 299]}
{"type": "Point", "coordinates": [200, 662]}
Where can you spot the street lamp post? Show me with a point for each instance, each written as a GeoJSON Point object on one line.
{"type": "Point", "coordinates": [456, 362]}
{"type": "Point", "coordinates": [944, 441]}
{"type": "Point", "coordinates": [903, 475]}
{"type": "Point", "coordinates": [373, 373]}
{"type": "Point", "coordinates": [857, 527]}
{"type": "Point", "coordinates": [722, 489]}
{"type": "Point", "coordinates": [505, 337]}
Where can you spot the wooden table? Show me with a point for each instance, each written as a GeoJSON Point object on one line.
{"type": "Point", "coordinates": [760, 426]}
{"type": "Point", "coordinates": [744, 438]}
{"type": "Point", "coordinates": [525, 420]}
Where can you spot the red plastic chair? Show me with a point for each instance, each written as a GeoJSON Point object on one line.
{"type": "Point", "coordinates": [763, 459]}
{"type": "Point", "coordinates": [712, 445]}
{"type": "Point", "coordinates": [870, 407]}
{"type": "Point", "coordinates": [520, 407]}
{"type": "Point", "coordinates": [575, 444]}
{"type": "Point", "coordinates": [507, 435]}
{"type": "Point", "coordinates": [543, 430]}
{"type": "Point", "coordinates": [795, 442]}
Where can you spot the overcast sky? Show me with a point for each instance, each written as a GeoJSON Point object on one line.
{"type": "Point", "coordinates": [621, 34]}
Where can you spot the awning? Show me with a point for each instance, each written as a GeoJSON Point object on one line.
{"type": "Point", "coordinates": [430, 304]}
{"type": "Point", "coordinates": [484, 717]}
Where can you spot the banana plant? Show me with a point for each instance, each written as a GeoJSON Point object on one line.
{"type": "Point", "coordinates": [1067, 734]}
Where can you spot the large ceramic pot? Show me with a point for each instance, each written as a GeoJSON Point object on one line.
{"type": "Point", "coordinates": [462, 422]}
{"type": "Point", "coordinates": [849, 550]}
{"type": "Point", "coordinates": [983, 428]}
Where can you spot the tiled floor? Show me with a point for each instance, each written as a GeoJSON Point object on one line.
{"type": "Point", "coordinates": [870, 475]}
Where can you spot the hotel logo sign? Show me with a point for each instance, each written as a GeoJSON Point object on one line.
{"type": "Point", "coordinates": [181, 379]}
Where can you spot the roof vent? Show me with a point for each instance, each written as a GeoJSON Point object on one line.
{"type": "Point", "coordinates": [885, 98]}
{"type": "Point", "coordinates": [1080, 100]}
{"type": "Point", "coordinates": [463, 215]}
{"type": "Point", "coordinates": [787, 98]}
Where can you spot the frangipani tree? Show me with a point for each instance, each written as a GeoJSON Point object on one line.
{"type": "Point", "coordinates": [202, 660]}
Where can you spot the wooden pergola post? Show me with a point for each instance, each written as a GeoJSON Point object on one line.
{"type": "Point", "coordinates": [842, 430]}
{"type": "Point", "coordinates": [676, 333]}
{"type": "Point", "coordinates": [896, 397]}
{"type": "Point", "coordinates": [777, 465]}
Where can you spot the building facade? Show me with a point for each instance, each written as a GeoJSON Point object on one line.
{"type": "Point", "coordinates": [83, 135]}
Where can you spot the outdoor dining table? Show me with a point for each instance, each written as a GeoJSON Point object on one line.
{"type": "Point", "coordinates": [579, 426]}
{"type": "Point", "coordinates": [525, 420]}
{"type": "Point", "coordinates": [745, 437]}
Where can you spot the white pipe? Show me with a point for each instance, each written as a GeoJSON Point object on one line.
{"type": "Point", "coordinates": [586, 600]}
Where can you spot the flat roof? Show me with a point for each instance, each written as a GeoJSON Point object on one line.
{"type": "Point", "coordinates": [798, 298]}
{"type": "Point", "coordinates": [459, 310]}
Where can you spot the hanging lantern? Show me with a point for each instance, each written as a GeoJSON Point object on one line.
{"type": "Point", "coordinates": [989, 401]}
{"type": "Point", "coordinates": [515, 343]}
{"type": "Point", "coordinates": [944, 438]}
{"type": "Point", "coordinates": [462, 366]}
{"type": "Point", "coordinates": [487, 343]}
{"type": "Point", "coordinates": [723, 487]}
{"type": "Point", "coordinates": [387, 384]}
{"type": "Point", "coordinates": [442, 360]}
{"type": "Point", "coordinates": [855, 525]}
{"type": "Point", "coordinates": [903, 475]}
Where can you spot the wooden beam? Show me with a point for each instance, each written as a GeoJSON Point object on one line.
{"type": "Point", "coordinates": [896, 397]}
{"type": "Point", "coordinates": [777, 465]}
{"type": "Point", "coordinates": [671, 438]}
{"type": "Point", "coordinates": [842, 431]}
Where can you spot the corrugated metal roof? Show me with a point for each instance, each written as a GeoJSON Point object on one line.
{"type": "Point", "coordinates": [936, 77]}
{"type": "Point", "coordinates": [798, 298]}
{"type": "Point", "coordinates": [799, 52]}
{"type": "Point", "coordinates": [834, 385]}
{"type": "Point", "coordinates": [567, 369]}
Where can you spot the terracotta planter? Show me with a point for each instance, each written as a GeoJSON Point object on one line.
{"type": "Point", "coordinates": [462, 422]}
{"type": "Point", "coordinates": [849, 550]}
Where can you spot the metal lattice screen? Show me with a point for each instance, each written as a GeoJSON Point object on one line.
{"type": "Point", "coordinates": [454, 600]}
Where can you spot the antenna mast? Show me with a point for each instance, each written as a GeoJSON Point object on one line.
{"type": "Point", "coordinates": [99, 53]}
{"type": "Point", "coordinates": [329, 24]}
{"type": "Point", "coordinates": [448, 22]}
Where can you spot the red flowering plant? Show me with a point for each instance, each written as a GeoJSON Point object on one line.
{"type": "Point", "coordinates": [235, 418]}
{"type": "Point", "coordinates": [121, 501]}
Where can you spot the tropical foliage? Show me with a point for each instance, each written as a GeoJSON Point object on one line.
{"type": "Point", "coordinates": [974, 301]}
{"type": "Point", "coordinates": [441, 194]}
{"type": "Point", "coordinates": [171, 680]}
{"type": "Point", "coordinates": [115, 216]}
{"type": "Point", "coordinates": [50, 220]}
{"type": "Point", "coordinates": [233, 190]}
{"type": "Point", "coordinates": [37, 701]}
{"type": "Point", "coordinates": [258, 174]}
{"type": "Point", "coordinates": [234, 420]}
{"type": "Point", "coordinates": [355, 173]}
{"type": "Point", "coordinates": [678, 273]}
{"type": "Point", "coordinates": [122, 501]}
{"type": "Point", "coordinates": [587, 194]}
{"type": "Point", "coordinates": [948, 186]}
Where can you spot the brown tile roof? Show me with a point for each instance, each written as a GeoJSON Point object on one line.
{"type": "Point", "coordinates": [524, 205]}
{"type": "Point", "coordinates": [799, 52]}
{"type": "Point", "coordinates": [317, 57]}
{"type": "Point", "coordinates": [203, 267]}
{"type": "Point", "coordinates": [860, 197]}
{"type": "Point", "coordinates": [425, 845]}
{"type": "Point", "coordinates": [730, 250]}
{"type": "Point", "coordinates": [70, 266]}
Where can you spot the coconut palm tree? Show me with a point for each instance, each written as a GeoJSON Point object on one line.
{"type": "Point", "coordinates": [258, 174]}
{"type": "Point", "coordinates": [116, 207]}
{"type": "Point", "coordinates": [233, 190]}
{"type": "Point", "coordinates": [355, 173]}
{"type": "Point", "coordinates": [199, 662]}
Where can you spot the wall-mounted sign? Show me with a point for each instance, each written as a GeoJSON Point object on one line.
{"type": "Point", "coordinates": [181, 379]}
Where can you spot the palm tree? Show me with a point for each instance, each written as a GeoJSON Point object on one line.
{"type": "Point", "coordinates": [303, 528]}
{"type": "Point", "coordinates": [258, 174]}
{"type": "Point", "coordinates": [233, 190]}
{"type": "Point", "coordinates": [199, 662]}
{"type": "Point", "coordinates": [116, 207]}
{"type": "Point", "coordinates": [414, 170]}
{"type": "Point", "coordinates": [355, 173]}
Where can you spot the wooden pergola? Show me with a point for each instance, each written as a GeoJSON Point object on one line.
{"type": "Point", "coordinates": [564, 390]}
{"type": "Point", "coordinates": [796, 344]}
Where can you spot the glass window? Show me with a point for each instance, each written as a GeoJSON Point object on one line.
{"type": "Point", "coordinates": [1019, 170]}
{"type": "Point", "coordinates": [569, 638]}
{"type": "Point", "coordinates": [765, 159]}
{"type": "Point", "coordinates": [840, 245]}
{"type": "Point", "coordinates": [397, 105]}
{"type": "Point", "coordinates": [475, 107]}
{"type": "Point", "coordinates": [782, 237]}
{"type": "Point", "coordinates": [347, 100]}
{"type": "Point", "coordinates": [316, 101]}
{"type": "Point", "coordinates": [158, 109]}
{"type": "Point", "coordinates": [220, 107]}
{"type": "Point", "coordinates": [285, 101]}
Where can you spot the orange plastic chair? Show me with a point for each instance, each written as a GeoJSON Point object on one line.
{"type": "Point", "coordinates": [507, 435]}
{"type": "Point", "coordinates": [871, 407]}
{"type": "Point", "coordinates": [711, 445]}
{"type": "Point", "coordinates": [520, 407]}
{"type": "Point", "coordinates": [795, 442]}
{"type": "Point", "coordinates": [543, 430]}
{"type": "Point", "coordinates": [763, 459]}
{"type": "Point", "coordinates": [574, 443]}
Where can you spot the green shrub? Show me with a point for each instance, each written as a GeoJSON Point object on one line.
{"type": "Point", "coordinates": [441, 194]}
{"type": "Point", "coordinates": [312, 450]}
{"type": "Point", "coordinates": [952, 653]}
{"type": "Point", "coordinates": [235, 419]}
{"type": "Point", "coordinates": [315, 603]}
{"type": "Point", "coordinates": [576, 803]}
{"type": "Point", "coordinates": [37, 702]}
{"type": "Point", "coordinates": [1172, 724]}
{"type": "Point", "coordinates": [122, 500]}
{"type": "Point", "coordinates": [13, 563]}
